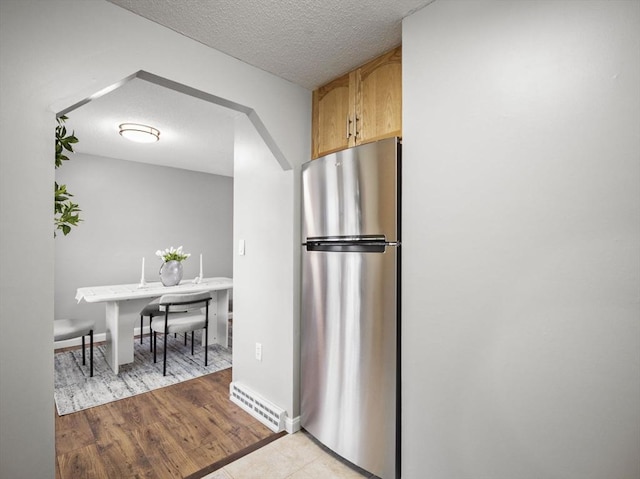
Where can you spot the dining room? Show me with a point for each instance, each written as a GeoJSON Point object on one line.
{"type": "Point", "coordinates": [190, 189]}
{"type": "Point", "coordinates": [138, 198]}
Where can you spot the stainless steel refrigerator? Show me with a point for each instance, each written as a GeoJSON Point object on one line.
{"type": "Point", "coordinates": [350, 308]}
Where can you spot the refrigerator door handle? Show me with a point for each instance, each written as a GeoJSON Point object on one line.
{"type": "Point", "coordinates": [363, 244]}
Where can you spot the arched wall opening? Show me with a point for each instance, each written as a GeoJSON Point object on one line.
{"type": "Point", "coordinates": [37, 86]}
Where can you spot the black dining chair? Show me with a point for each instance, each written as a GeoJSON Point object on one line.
{"type": "Point", "coordinates": [152, 309]}
{"type": "Point", "coordinates": [181, 313]}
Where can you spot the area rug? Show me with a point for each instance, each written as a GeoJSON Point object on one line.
{"type": "Point", "coordinates": [75, 390]}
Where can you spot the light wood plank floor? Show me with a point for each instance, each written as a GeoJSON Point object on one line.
{"type": "Point", "coordinates": [173, 432]}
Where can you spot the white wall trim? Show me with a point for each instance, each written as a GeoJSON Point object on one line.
{"type": "Point", "coordinates": [292, 425]}
{"type": "Point", "coordinates": [68, 343]}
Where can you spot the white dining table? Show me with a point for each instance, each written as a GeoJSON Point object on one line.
{"type": "Point", "coordinates": [120, 329]}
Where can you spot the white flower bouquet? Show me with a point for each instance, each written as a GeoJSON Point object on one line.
{"type": "Point", "coordinates": [172, 254]}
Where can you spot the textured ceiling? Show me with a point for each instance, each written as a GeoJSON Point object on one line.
{"type": "Point", "coordinates": [307, 42]}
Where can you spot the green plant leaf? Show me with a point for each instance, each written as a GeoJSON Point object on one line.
{"type": "Point", "coordinates": [66, 213]}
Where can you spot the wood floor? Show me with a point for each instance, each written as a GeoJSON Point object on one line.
{"type": "Point", "coordinates": [173, 432]}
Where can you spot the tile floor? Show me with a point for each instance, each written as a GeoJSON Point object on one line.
{"type": "Point", "coordinates": [294, 456]}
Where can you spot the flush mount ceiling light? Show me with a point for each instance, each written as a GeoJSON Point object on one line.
{"type": "Point", "coordinates": [139, 133]}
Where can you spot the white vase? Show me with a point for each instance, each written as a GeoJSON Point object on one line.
{"type": "Point", "coordinates": [171, 273]}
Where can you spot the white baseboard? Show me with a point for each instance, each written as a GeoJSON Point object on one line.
{"type": "Point", "coordinates": [292, 424]}
{"type": "Point", "coordinates": [96, 339]}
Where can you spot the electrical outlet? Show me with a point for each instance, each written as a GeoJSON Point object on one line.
{"type": "Point", "coordinates": [259, 351]}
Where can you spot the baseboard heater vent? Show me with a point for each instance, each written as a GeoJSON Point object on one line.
{"type": "Point", "coordinates": [271, 416]}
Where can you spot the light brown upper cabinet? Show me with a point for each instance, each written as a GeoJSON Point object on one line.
{"type": "Point", "coordinates": [362, 106]}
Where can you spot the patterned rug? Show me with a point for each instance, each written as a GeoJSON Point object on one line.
{"type": "Point", "coordinates": [75, 390]}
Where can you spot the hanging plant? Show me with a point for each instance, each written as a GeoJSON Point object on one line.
{"type": "Point", "coordinates": [66, 212]}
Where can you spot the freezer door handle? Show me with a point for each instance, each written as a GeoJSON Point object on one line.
{"type": "Point", "coordinates": [347, 246]}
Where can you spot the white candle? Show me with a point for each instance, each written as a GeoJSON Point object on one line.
{"type": "Point", "coordinates": [201, 266]}
{"type": "Point", "coordinates": [143, 283]}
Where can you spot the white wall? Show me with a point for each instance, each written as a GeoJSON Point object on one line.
{"type": "Point", "coordinates": [129, 211]}
{"type": "Point", "coordinates": [102, 44]}
{"type": "Point", "coordinates": [264, 313]}
{"type": "Point", "coordinates": [521, 331]}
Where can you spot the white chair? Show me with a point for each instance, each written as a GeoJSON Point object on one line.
{"type": "Point", "coordinates": [152, 309]}
{"type": "Point", "coordinates": [182, 314]}
{"type": "Point", "coordinates": [74, 328]}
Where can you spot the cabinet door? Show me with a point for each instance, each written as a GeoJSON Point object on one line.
{"type": "Point", "coordinates": [332, 113]}
{"type": "Point", "coordinates": [379, 98]}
